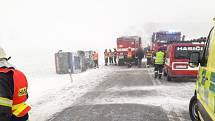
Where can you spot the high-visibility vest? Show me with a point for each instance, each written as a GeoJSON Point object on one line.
{"type": "Point", "coordinates": [95, 56]}
{"type": "Point", "coordinates": [20, 95]}
{"type": "Point", "coordinates": [106, 55]}
{"type": "Point", "coordinates": [159, 58]}
{"type": "Point", "coordinates": [148, 54]}
{"type": "Point", "coordinates": [110, 54]}
{"type": "Point", "coordinates": [129, 54]}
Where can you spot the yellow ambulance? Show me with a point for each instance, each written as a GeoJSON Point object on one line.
{"type": "Point", "coordinates": [202, 104]}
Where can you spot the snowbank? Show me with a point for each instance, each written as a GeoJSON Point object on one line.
{"type": "Point", "coordinates": [52, 93]}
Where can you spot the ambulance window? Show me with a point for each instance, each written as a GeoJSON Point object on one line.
{"type": "Point", "coordinates": [207, 49]}
{"type": "Point", "coordinates": [183, 52]}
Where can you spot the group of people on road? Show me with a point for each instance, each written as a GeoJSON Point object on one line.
{"type": "Point", "coordinates": [139, 55]}
{"type": "Point", "coordinates": [110, 57]}
{"type": "Point", "coordinates": [158, 58]}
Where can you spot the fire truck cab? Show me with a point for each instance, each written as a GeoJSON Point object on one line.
{"type": "Point", "coordinates": [177, 60]}
{"type": "Point", "coordinates": [125, 42]}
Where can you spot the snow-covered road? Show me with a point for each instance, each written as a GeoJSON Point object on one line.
{"type": "Point", "coordinates": [131, 94]}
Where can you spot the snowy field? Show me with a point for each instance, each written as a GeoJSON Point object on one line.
{"type": "Point", "coordinates": [52, 93]}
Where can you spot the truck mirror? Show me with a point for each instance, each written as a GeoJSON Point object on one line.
{"type": "Point", "coordinates": [194, 59]}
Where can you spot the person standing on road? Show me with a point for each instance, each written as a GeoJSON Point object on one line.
{"type": "Point", "coordinates": [13, 92]}
{"type": "Point", "coordinates": [149, 58]}
{"type": "Point", "coordinates": [129, 57]}
{"type": "Point", "coordinates": [110, 54]}
{"type": "Point", "coordinates": [106, 57]}
{"type": "Point", "coordinates": [115, 56]}
{"type": "Point", "coordinates": [95, 59]}
{"type": "Point", "coordinates": [159, 63]}
{"type": "Point", "coordinates": [140, 55]}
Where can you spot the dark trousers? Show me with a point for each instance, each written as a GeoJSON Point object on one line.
{"type": "Point", "coordinates": [158, 70]}
{"type": "Point", "coordinates": [110, 60]}
{"type": "Point", "coordinates": [139, 62]}
{"type": "Point", "coordinates": [96, 64]}
{"type": "Point", "coordinates": [129, 62]}
{"type": "Point", "coordinates": [149, 61]}
{"type": "Point", "coordinates": [24, 118]}
{"type": "Point", "coordinates": [114, 59]}
{"type": "Point", "coordinates": [106, 61]}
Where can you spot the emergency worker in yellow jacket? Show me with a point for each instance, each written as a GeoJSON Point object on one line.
{"type": "Point", "coordinates": [159, 63]}
{"type": "Point", "coordinates": [129, 57]}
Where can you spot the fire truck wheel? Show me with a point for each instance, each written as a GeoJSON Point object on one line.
{"type": "Point", "coordinates": [193, 109]}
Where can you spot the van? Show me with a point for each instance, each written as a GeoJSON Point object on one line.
{"type": "Point", "coordinates": [177, 60]}
{"type": "Point", "coordinates": [202, 104]}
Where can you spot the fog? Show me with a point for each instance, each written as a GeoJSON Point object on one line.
{"type": "Point", "coordinates": [48, 25]}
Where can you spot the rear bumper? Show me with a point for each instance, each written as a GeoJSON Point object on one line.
{"type": "Point", "coordinates": [183, 73]}
{"type": "Point", "coordinates": [184, 76]}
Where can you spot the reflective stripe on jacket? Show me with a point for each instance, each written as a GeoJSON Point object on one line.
{"type": "Point", "coordinates": [95, 56]}
{"type": "Point", "coordinates": [19, 94]}
{"type": "Point", "coordinates": [149, 55]}
{"type": "Point", "coordinates": [129, 54]}
{"type": "Point", "coordinates": [6, 102]}
{"type": "Point", "coordinates": [159, 58]}
{"type": "Point", "coordinates": [110, 54]}
{"type": "Point", "coordinates": [106, 55]}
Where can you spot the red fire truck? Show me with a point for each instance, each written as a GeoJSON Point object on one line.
{"type": "Point", "coordinates": [123, 43]}
{"type": "Point", "coordinates": [161, 39]}
{"type": "Point", "coordinates": [177, 58]}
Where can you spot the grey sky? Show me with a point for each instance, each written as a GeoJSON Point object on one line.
{"type": "Point", "coordinates": [95, 24]}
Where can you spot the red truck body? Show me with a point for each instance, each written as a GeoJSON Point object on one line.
{"type": "Point", "coordinates": [177, 60]}
{"type": "Point", "coordinates": [161, 39]}
{"type": "Point", "coordinates": [123, 43]}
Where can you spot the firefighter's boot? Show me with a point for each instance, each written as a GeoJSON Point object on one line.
{"type": "Point", "coordinates": [156, 74]}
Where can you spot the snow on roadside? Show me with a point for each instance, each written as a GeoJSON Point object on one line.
{"type": "Point", "coordinates": [52, 93]}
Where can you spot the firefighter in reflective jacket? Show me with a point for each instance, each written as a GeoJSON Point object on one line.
{"type": "Point", "coordinates": [149, 58]}
{"type": "Point", "coordinates": [110, 55]}
{"type": "Point", "coordinates": [129, 57]}
{"type": "Point", "coordinates": [96, 59]}
{"type": "Point", "coordinates": [115, 56]}
{"type": "Point", "coordinates": [106, 57]}
{"type": "Point", "coordinates": [159, 63]}
{"type": "Point", "coordinates": [13, 92]}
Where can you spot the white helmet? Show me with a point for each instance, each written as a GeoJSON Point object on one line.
{"type": "Point", "coordinates": [2, 54]}
{"type": "Point", "coordinates": [3, 59]}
